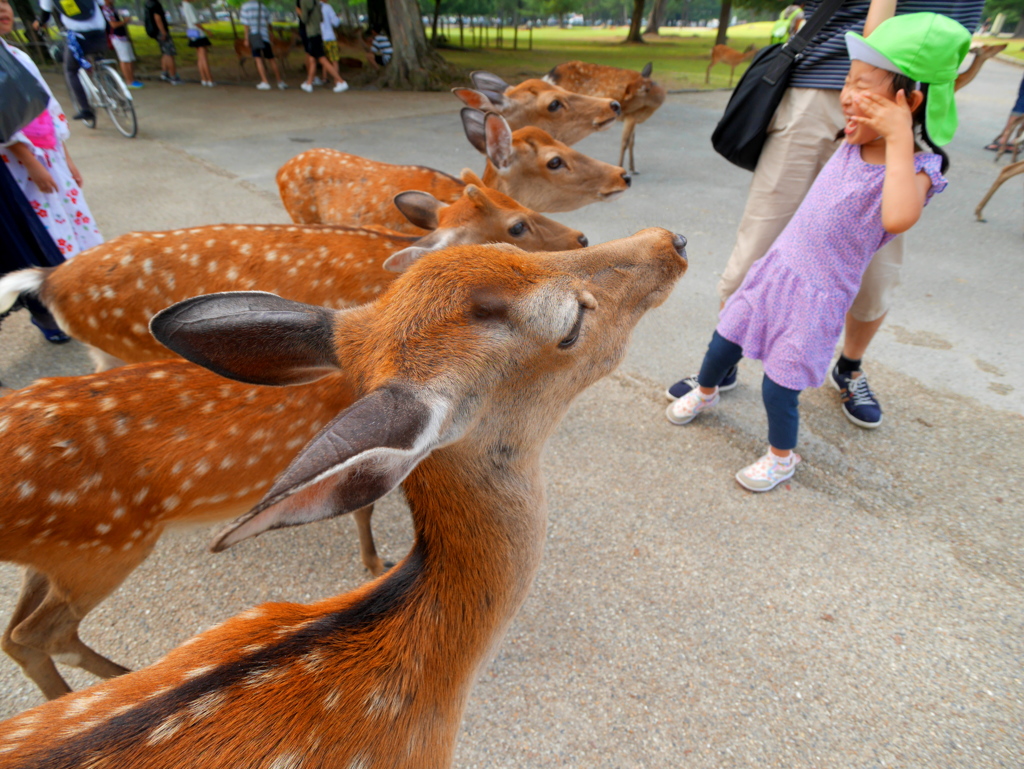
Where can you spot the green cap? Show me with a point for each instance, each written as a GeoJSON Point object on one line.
{"type": "Point", "coordinates": [926, 47]}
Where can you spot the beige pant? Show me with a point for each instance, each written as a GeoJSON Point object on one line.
{"type": "Point", "coordinates": [801, 138]}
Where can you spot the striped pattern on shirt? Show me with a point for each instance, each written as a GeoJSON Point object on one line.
{"type": "Point", "coordinates": [256, 18]}
{"type": "Point", "coordinates": [826, 62]}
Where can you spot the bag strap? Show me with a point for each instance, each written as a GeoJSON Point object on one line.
{"type": "Point", "coordinates": [793, 50]}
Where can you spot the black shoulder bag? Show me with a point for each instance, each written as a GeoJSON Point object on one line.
{"type": "Point", "coordinates": [22, 99]}
{"type": "Point", "coordinates": [743, 128]}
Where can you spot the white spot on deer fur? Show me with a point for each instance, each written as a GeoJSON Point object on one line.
{"type": "Point", "coordinates": [233, 274]}
{"type": "Point", "coordinates": [93, 322]}
{"type": "Point", "coordinates": [157, 374]}
{"type": "Point", "coordinates": [170, 503]}
{"type": "Point", "coordinates": [147, 266]}
{"type": "Point", "coordinates": [108, 404]}
{"type": "Point", "coordinates": [286, 761]}
{"type": "Point", "coordinates": [196, 672]}
{"type": "Point", "coordinates": [158, 235]}
{"type": "Point", "coordinates": [26, 489]}
{"type": "Point", "coordinates": [140, 495]}
{"type": "Point", "coordinates": [334, 699]}
{"type": "Point", "coordinates": [254, 613]}
{"type": "Point", "coordinates": [202, 467]}
{"type": "Point", "coordinates": [109, 293]}
{"type": "Point", "coordinates": [67, 498]}
{"type": "Point", "coordinates": [81, 703]}
{"type": "Point", "coordinates": [102, 528]}
{"type": "Point", "coordinates": [207, 705]}
{"type": "Point", "coordinates": [211, 243]}
{"type": "Point", "coordinates": [166, 730]}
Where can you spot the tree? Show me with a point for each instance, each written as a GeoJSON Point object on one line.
{"type": "Point", "coordinates": [723, 22]}
{"type": "Point", "coordinates": [1014, 10]}
{"type": "Point", "coordinates": [635, 23]}
{"type": "Point", "coordinates": [414, 65]}
{"type": "Point", "coordinates": [657, 17]}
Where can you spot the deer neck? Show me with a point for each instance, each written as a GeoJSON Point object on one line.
{"type": "Point", "coordinates": [494, 180]}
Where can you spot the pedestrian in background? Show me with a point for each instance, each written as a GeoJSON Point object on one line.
{"type": "Point", "coordinates": [86, 35]}
{"type": "Point", "coordinates": [157, 28]}
{"type": "Point", "coordinates": [117, 26]}
{"type": "Point", "coordinates": [329, 23]}
{"type": "Point", "coordinates": [255, 18]}
{"type": "Point", "coordinates": [310, 17]}
{"type": "Point", "coordinates": [198, 40]}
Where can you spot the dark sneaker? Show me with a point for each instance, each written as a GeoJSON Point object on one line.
{"type": "Point", "coordinates": [52, 335]}
{"type": "Point", "coordinates": [86, 114]}
{"type": "Point", "coordinates": [859, 404]}
{"type": "Point", "coordinates": [683, 386]}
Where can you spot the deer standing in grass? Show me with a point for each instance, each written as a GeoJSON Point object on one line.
{"type": "Point", "coordinates": [638, 96]}
{"type": "Point", "coordinates": [324, 186]}
{"type": "Point", "coordinates": [730, 56]}
{"type": "Point", "coordinates": [93, 469]}
{"type": "Point", "coordinates": [462, 370]}
{"type": "Point", "coordinates": [566, 116]}
{"type": "Point", "coordinates": [107, 295]}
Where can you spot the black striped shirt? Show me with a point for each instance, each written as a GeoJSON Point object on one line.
{"type": "Point", "coordinates": [826, 62]}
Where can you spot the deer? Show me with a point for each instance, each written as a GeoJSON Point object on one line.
{"type": "Point", "coordinates": [323, 186]}
{"type": "Point", "coordinates": [461, 371]}
{"type": "Point", "coordinates": [106, 296]}
{"type": "Point", "coordinates": [1013, 169]}
{"type": "Point", "coordinates": [567, 116]}
{"type": "Point", "coordinates": [638, 96]}
{"type": "Point", "coordinates": [730, 56]}
{"type": "Point", "coordinates": [282, 48]}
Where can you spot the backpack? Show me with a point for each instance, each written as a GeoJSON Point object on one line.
{"type": "Point", "coordinates": [149, 21]}
{"type": "Point", "coordinates": [78, 10]}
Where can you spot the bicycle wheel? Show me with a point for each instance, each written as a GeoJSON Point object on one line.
{"type": "Point", "coordinates": [117, 100]}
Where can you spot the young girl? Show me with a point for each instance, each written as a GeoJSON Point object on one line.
{"type": "Point", "coordinates": [197, 39]}
{"type": "Point", "coordinates": [790, 308]}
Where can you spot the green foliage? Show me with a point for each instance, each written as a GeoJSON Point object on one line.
{"type": "Point", "coordinates": [1012, 8]}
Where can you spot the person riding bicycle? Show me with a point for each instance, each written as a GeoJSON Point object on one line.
{"type": "Point", "coordinates": [87, 30]}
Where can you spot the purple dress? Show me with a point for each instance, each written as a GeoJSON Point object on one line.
{"type": "Point", "coordinates": [790, 309]}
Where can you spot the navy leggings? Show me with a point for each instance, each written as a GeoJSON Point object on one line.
{"type": "Point", "coordinates": [780, 402]}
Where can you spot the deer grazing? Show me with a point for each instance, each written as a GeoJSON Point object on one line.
{"type": "Point", "coordinates": [730, 56]}
{"type": "Point", "coordinates": [461, 369]}
{"type": "Point", "coordinates": [107, 295]}
{"type": "Point", "coordinates": [638, 96]}
{"type": "Point", "coordinates": [567, 116]}
{"type": "Point", "coordinates": [323, 186]}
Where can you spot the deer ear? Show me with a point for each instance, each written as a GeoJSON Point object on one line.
{"type": "Point", "coordinates": [364, 453]}
{"type": "Point", "coordinates": [488, 81]}
{"type": "Point", "coordinates": [647, 70]}
{"type": "Point", "coordinates": [499, 140]}
{"type": "Point", "coordinates": [420, 208]}
{"type": "Point", "coordinates": [400, 261]}
{"type": "Point", "coordinates": [468, 177]}
{"type": "Point", "coordinates": [473, 99]}
{"type": "Point", "coordinates": [473, 125]}
{"type": "Point", "coordinates": [251, 336]}
{"type": "Point", "coordinates": [475, 194]}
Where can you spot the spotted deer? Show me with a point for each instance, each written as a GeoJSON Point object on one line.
{"type": "Point", "coordinates": [107, 295]}
{"type": "Point", "coordinates": [730, 56]}
{"type": "Point", "coordinates": [324, 186]}
{"type": "Point", "coordinates": [639, 97]}
{"type": "Point", "coordinates": [567, 116]}
{"type": "Point", "coordinates": [462, 369]}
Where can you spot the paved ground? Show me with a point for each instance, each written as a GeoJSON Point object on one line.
{"type": "Point", "coordinates": [869, 613]}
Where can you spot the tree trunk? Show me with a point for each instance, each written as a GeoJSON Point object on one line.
{"type": "Point", "coordinates": [723, 23]}
{"type": "Point", "coordinates": [437, 12]}
{"type": "Point", "coordinates": [414, 66]}
{"type": "Point", "coordinates": [1019, 31]}
{"type": "Point", "coordinates": [657, 17]}
{"type": "Point", "coordinates": [636, 22]}
{"type": "Point", "coordinates": [27, 14]}
{"type": "Point", "coordinates": [377, 16]}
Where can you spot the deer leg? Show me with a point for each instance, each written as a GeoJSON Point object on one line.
{"type": "Point", "coordinates": [632, 143]}
{"type": "Point", "coordinates": [36, 664]}
{"type": "Point", "coordinates": [628, 127]}
{"type": "Point", "coordinates": [367, 548]}
{"type": "Point", "coordinates": [707, 73]}
{"type": "Point", "coordinates": [1007, 173]}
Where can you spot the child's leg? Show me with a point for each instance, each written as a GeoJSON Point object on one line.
{"type": "Point", "coordinates": [779, 464]}
{"type": "Point", "coordinates": [720, 357]}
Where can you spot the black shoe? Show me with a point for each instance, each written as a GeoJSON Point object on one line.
{"type": "Point", "coordinates": [52, 335]}
{"type": "Point", "coordinates": [85, 114]}
{"type": "Point", "coordinates": [683, 386]}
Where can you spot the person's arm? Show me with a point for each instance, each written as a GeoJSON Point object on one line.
{"type": "Point", "coordinates": [37, 172]}
{"type": "Point", "coordinates": [879, 11]}
{"type": "Point", "coordinates": [75, 174]}
{"type": "Point", "coordinates": [158, 18]}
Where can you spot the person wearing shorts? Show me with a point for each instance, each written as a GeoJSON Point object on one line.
{"type": "Point", "coordinates": [255, 18]}
{"type": "Point", "coordinates": [91, 36]}
{"type": "Point", "coordinates": [310, 17]}
{"type": "Point", "coordinates": [198, 40]}
{"type": "Point", "coordinates": [160, 32]}
{"type": "Point", "coordinates": [121, 43]}
{"type": "Point", "coordinates": [327, 26]}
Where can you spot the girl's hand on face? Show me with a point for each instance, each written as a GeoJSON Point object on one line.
{"type": "Point", "coordinates": [890, 119]}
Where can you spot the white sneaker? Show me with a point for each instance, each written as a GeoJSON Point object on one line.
{"type": "Point", "coordinates": [263, 87]}
{"type": "Point", "coordinates": [682, 410]}
{"type": "Point", "coordinates": [768, 472]}
{"type": "Point", "coordinates": [308, 88]}
{"type": "Point", "coordinates": [317, 81]}
{"type": "Point", "coordinates": [341, 87]}
{"type": "Point", "coordinates": [282, 85]}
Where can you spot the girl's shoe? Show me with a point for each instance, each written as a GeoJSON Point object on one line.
{"type": "Point", "coordinates": [768, 472]}
{"type": "Point", "coordinates": [683, 410]}
{"type": "Point", "coordinates": [52, 335]}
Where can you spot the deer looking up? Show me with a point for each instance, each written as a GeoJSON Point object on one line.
{"type": "Point", "coordinates": [638, 96]}
{"type": "Point", "coordinates": [462, 370]}
{"type": "Point", "coordinates": [567, 116]}
{"type": "Point", "coordinates": [107, 295]}
{"type": "Point", "coordinates": [325, 186]}
{"type": "Point", "coordinates": [731, 56]}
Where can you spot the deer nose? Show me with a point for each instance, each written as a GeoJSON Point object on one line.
{"type": "Point", "coordinates": [680, 244]}
{"type": "Point", "coordinates": [627, 178]}
{"type": "Point", "coordinates": [615, 107]}
{"type": "Point", "coordinates": [582, 239]}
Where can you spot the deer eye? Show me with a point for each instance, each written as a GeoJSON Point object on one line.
{"type": "Point", "coordinates": [517, 229]}
{"type": "Point", "coordinates": [554, 106]}
{"type": "Point", "coordinates": [574, 334]}
{"type": "Point", "coordinates": [554, 163]}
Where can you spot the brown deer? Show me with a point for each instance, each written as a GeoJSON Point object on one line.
{"type": "Point", "coordinates": [730, 56]}
{"type": "Point", "coordinates": [638, 96]}
{"type": "Point", "coordinates": [323, 186]}
{"type": "Point", "coordinates": [567, 116]}
{"type": "Point", "coordinates": [281, 46]}
{"type": "Point", "coordinates": [107, 295]}
{"type": "Point", "coordinates": [1007, 173]}
{"type": "Point", "coordinates": [461, 371]}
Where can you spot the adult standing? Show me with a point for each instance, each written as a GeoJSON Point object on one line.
{"type": "Point", "coordinates": [121, 42]}
{"type": "Point", "coordinates": [310, 17]}
{"type": "Point", "coordinates": [158, 29]}
{"type": "Point", "coordinates": [803, 135]}
{"type": "Point", "coordinates": [87, 35]}
{"type": "Point", "coordinates": [197, 39]}
{"type": "Point", "coordinates": [328, 24]}
{"type": "Point", "coordinates": [255, 17]}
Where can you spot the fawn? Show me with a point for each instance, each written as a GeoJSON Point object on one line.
{"type": "Point", "coordinates": [325, 186]}
{"type": "Point", "coordinates": [730, 56]}
{"type": "Point", "coordinates": [638, 96]}
{"type": "Point", "coordinates": [461, 370]}
{"type": "Point", "coordinates": [106, 296]}
{"type": "Point", "coordinates": [567, 116]}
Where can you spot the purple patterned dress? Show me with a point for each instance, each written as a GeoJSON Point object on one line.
{"type": "Point", "coordinates": [790, 309]}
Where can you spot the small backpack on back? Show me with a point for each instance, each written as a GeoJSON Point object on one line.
{"type": "Point", "coordinates": [150, 21]}
{"type": "Point", "coordinates": [78, 10]}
